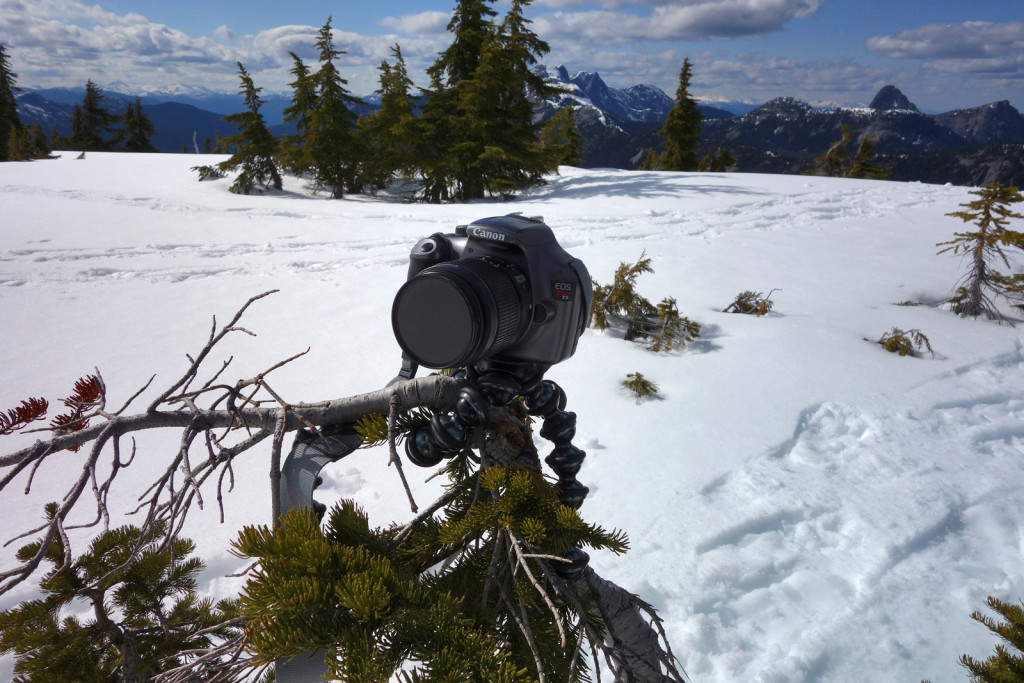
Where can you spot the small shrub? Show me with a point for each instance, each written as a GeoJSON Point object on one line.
{"type": "Point", "coordinates": [905, 342]}
{"type": "Point", "coordinates": [208, 172]}
{"type": "Point", "coordinates": [662, 326]}
{"type": "Point", "coordinates": [751, 303]}
{"type": "Point", "coordinates": [1004, 666]}
{"type": "Point", "coordinates": [640, 386]}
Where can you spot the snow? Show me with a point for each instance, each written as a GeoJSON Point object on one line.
{"type": "Point", "coordinates": [802, 505]}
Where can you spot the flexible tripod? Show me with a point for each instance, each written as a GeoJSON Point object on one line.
{"type": "Point", "coordinates": [494, 383]}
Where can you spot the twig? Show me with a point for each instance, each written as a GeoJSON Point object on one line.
{"type": "Point", "coordinates": [393, 406]}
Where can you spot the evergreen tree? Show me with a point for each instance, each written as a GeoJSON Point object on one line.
{"type": "Point", "coordinates": [452, 599]}
{"type": "Point", "coordinates": [254, 146]}
{"type": "Point", "coordinates": [10, 122]}
{"type": "Point", "coordinates": [831, 163]}
{"type": "Point", "coordinates": [717, 162]}
{"type": "Point", "coordinates": [445, 123]}
{"type": "Point", "coordinates": [91, 121]}
{"type": "Point", "coordinates": [136, 131]}
{"type": "Point", "coordinates": [862, 165]}
{"type": "Point", "coordinates": [391, 134]}
{"type": "Point", "coordinates": [991, 214]}
{"type": "Point", "coordinates": [292, 152]}
{"type": "Point", "coordinates": [561, 140]}
{"type": "Point", "coordinates": [144, 612]}
{"type": "Point", "coordinates": [330, 145]}
{"type": "Point", "coordinates": [1006, 665]}
{"type": "Point", "coordinates": [681, 128]}
{"type": "Point", "coordinates": [506, 156]}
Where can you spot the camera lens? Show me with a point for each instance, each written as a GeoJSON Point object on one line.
{"type": "Point", "coordinates": [458, 312]}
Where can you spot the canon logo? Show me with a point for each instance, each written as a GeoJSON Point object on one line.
{"type": "Point", "coordinates": [487, 234]}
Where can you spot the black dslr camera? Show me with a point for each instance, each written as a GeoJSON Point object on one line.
{"type": "Point", "coordinates": [498, 288]}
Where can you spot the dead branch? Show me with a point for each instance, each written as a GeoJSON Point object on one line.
{"type": "Point", "coordinates": [228, 412]}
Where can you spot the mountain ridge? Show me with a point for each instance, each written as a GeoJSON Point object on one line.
{"type": "Point", "coordinates": [973, 145]}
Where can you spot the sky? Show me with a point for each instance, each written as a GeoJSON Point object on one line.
{"type": "Point", "coordinates": [942, 55]}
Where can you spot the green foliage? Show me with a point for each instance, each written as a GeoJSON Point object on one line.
{"type": "Point", "coordinates": [661, 326]}
{"type": "Point", "coordinates": [833, 162]}
{"type": "Point", "coordinates": [373, 427]}
{"type": "Point", "coordinates": [438, 601]}
{"type": "Point", "coordinates": [10, 122]}
{"type": "Point", "coordinates": [391, 134]}
{"type": "Point", "coordinates": [681, 128]}
{"type": "Point", "coordinates": [478, 129]}
{"type": "Point", "coordinates": [330, 148]}
{"type": "Point", "coordinates": [91, 121]}
{"type": "Point", "coordinates": [640, 386]}
{"type": "Point", "coordinates": [291, 152]}
{"type": "Point", "coordinates": [905, 342]}
{"type": "Point", "coordinates": [208, 172]}
{"type": "Point", "coordinates": [561, 140]}
{"type": "Point", "coordinates": [991, 214]}
{"type": "Point", "coordinates": [1005, 666]}
{"type": "Point", "coordinates": [137, 130]}
{"type": "Point", "coordinates": [863, 165]}
{"type": "Point", "coordinates": [145, 612]}
{"type": "Point", "coordinates": [751, 303]}
{"type": "Point", "coordinates": [717, 162]}
{"type": "Point", "coordinates": [253, 144]}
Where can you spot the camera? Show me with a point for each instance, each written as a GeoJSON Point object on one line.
{"type": "Point", "coordinates": [499, 288]}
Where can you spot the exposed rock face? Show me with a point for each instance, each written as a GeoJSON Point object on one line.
{"type": "Point", "coordinates": [890, 98]}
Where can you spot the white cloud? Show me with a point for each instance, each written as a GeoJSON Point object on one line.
{"type": "Point", "coordinates": [418, 24]}
{"type": "Point", "coordinates": [224, 33]}
{"type": "Point", "coordinates": [969, 40]}
{"type": "Point", "coordinates": [672, 21]}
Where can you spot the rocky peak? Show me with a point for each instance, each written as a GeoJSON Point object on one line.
{"type": "Point", "coordinates": [782, 106]}
{"type": "Point", "coordinates": [890, 98]}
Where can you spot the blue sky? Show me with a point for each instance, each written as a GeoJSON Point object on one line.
{"type": "Point", "coordinates": [943, 54]}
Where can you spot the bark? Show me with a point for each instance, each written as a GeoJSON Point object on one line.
{"type": "Point", "coordinates": [435, 391]}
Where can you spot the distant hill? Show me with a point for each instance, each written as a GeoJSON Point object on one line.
{"type": "Point", "coordinates": [966, 146]}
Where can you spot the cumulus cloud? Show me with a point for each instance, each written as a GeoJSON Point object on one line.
{"type": "Point", "coordinates": [969, 40]}
{"type": "Point", "coordinates": [418, 24]}
{"type": "Point", "coordinates": [672, 21]}
{"type": "Point", "coordinates": [975, 47]}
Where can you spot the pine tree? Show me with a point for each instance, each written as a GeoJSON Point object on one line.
{"type": "Point", "coordinates": [10, 122]}
{"type": "Point", "coordinates": [863, 165]}
{"type": "Point", "coordinates": [561, 140]}
{"type": "Point", "coordinates": [445, 124]}
{"type": "Point", "coordinates": [1005, 666]}
{"type": "Point", "coordinates": [254, 146]}
{"type": "Point", "coordinates": [681, 128]}
{"type": "Point", "coordinates": [991, 214]}
{"type": "Point", "coordinates": [498, 101]}
{"type": "Point", "coordinates": [330, 145]}
{"type": "Point", "coordinates": [460, 597]}
{"type": "Point", "coordinates": [391, 134]}
{"type": "Point", "coordinates": [292, 151]}
{"type": "Point", "coordinates": [716, 162]}
{"type": "Point", "coordinates": [136, 131]}
{"type": "Point", "coordinates": [144, 612]}
{"type": "Point", "coordinates": [831, 163]}
{"type": "Point", "coordinates": [91, 121]}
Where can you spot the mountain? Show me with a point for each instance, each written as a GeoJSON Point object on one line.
{"type": "Point", "coordinates": [968, 146]}
{"type": "Point", "coordinates": [618, 125]}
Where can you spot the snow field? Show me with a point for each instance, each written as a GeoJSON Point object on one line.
{"type": "Point", "coordinates": [802, 505]}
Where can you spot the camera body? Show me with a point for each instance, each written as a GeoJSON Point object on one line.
{"type": "Point", "coordinates": [500, 287]}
